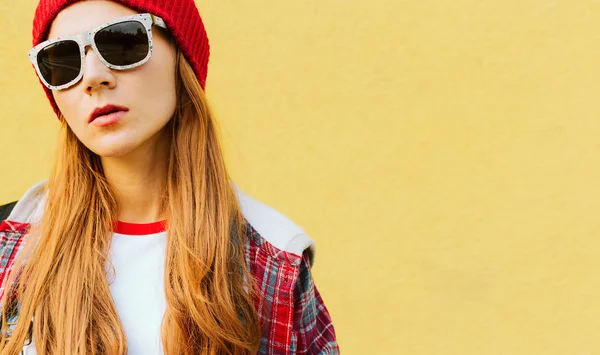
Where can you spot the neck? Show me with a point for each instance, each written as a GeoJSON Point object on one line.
{"type": "Point", "coordinates": [138, 182]}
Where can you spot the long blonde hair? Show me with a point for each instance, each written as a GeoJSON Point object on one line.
{"type": "Point", "coordinates": [63, 284]}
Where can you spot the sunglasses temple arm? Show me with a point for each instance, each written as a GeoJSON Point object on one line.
{"type": "Point", "coordinates": [158, 21]}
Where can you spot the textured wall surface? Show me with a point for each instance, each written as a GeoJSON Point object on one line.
{"type": "Point", "coordinates": [444, 155]}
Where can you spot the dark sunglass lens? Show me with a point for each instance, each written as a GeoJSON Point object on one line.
{"type": "Point", "coordinates": [123, 43]}
{"type": "Point", "coordinates": [60, 63]}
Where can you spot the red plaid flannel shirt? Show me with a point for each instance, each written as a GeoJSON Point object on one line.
{"type": "Point", "coordinates": [293, 316]}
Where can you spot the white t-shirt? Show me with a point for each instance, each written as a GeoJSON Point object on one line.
{"type": "Point", "coordinates": [137, 255]}
{"type": "Point", "coordinates": [137, 287]}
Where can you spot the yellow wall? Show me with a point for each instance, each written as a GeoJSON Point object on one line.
{"type": "Point", "coordinates": [443, 154]}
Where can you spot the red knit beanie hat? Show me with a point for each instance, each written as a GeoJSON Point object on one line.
{"type": "Point", "coordinates": [181, 17]}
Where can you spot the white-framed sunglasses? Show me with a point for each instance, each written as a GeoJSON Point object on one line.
{"type": "Point", "coordinates": [121, 44]}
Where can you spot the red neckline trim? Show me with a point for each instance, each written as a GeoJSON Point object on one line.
{"type": "Point", "coordinates": [140, 228]}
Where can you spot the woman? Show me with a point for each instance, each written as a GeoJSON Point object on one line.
{"type": "Point", "coordinates": [139, 243]}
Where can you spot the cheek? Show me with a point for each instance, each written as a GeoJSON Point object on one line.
{"type": "Point", "coordinates": [162, 86]}
{"type": "Point", "coordinates": [155, 99]}
{"type": "Point", "coordinates": [65, 100]}
{"type": "Point", "coordinates": [157, 88]}
{"type": "Point", "coordinates": [70, 105]}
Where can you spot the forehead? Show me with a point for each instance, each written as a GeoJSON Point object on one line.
{"type": "Point", "coordinates": [83, 16]}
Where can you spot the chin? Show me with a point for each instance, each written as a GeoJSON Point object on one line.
{"type": "Point", "coordinates": [112, 150]}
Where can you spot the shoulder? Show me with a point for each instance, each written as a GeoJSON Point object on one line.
{"type": "Point", "coordinates": [29, 208]}
{"type": "Point", "coordinates": [15, 221]}
{"type": "Point", "coordinates": [274, 227]}
{"type": "Point", "coordinates": [16, 217]}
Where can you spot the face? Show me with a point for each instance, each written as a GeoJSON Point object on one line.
{"type": "Point", "coordinates": [146, 93]}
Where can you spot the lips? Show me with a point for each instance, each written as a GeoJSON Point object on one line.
{"type": "Point", "coordinates": [108, 109]}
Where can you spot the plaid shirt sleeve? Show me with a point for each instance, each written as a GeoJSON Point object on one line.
{"type": "Point", "coordinates": [312, 325]}
{"type": "Point", "coordinates": [11, 241]}
{"type": "Point", "coordinates": [291, 311]}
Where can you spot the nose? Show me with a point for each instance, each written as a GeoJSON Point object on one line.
{"type": "Point", "coordinates": [96, 75]}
